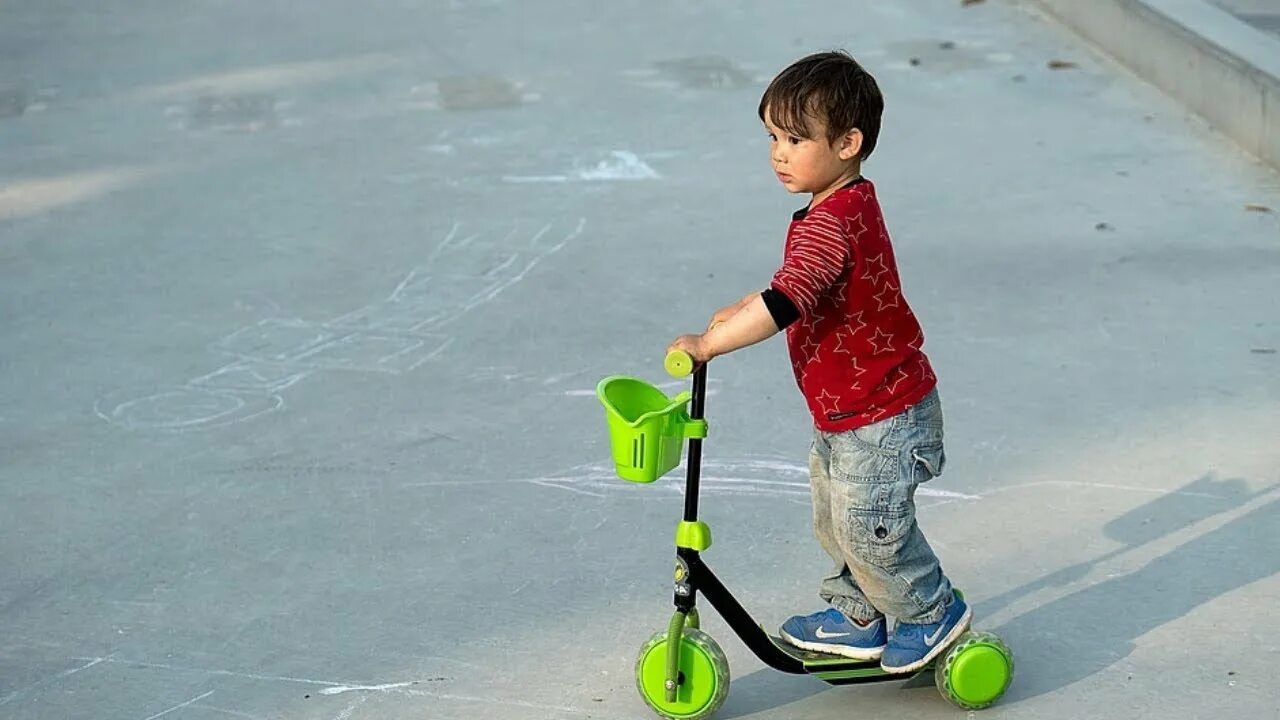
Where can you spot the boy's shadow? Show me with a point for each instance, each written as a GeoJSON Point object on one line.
{"type": "Point", "coordinates": [1078, 635]}
{"type": "Point", "coordinates": [1083, 633]}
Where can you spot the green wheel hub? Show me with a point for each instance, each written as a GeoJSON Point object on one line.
{"type": "Point", "coordinates": [704, 676]}
{"type": "Point", "coordinates": [976, 671]}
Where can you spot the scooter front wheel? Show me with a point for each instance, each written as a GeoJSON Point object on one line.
{"type": "Point", "coordinates": [703, 682]}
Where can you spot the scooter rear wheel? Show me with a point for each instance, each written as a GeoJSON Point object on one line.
{"type": "Point", "coordinates": [975, 672]}
{"type": "Point", "coordinates": [703, 681]}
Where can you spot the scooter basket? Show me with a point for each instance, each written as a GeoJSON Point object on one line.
{"type": "Point", "coordinates": [647, 429]}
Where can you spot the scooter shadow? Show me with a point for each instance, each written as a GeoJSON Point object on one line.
{"type": "Point", "coordinates": [767, 689]}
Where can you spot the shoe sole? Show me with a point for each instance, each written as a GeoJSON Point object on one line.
{"type": "Point", "coordinates": [961, 628]}
{"type": "Point", "coordinates": [853, 653]}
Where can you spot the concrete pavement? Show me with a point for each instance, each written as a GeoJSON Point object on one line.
{"type": "Point", "coordinates": [302, 313]}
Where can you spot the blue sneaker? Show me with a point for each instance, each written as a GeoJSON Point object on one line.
{"type": "Point", "coordinates": [913, 646]}
{"type": "Point", "coordinates": [831, 632]}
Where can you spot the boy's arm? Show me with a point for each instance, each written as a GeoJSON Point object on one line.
{"type": "Point", "coordinates": [729, 311]}
{"type": "Point", "coordinates": [818, 253]}
{"type": "Point", "coordinates": [752, 323]}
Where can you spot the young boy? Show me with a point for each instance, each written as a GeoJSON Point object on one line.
{"type": "Point", "coordinates": [855, 348]}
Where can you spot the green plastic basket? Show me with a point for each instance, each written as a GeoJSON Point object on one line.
{"type": "Point", "coordinates": [647, 429]}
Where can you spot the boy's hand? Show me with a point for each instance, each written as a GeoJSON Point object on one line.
{"type": "Point", "coordinates": [692, 344]}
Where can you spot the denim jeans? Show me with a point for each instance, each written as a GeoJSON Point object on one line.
{"type": "Point", "coordinates": [863, 484]}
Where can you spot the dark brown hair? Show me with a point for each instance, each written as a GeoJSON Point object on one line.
{"type": "Point", "coordinates": [831, 87]}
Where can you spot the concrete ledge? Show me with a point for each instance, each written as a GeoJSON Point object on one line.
{"type": "Point", "coordinates": [1218, 66]}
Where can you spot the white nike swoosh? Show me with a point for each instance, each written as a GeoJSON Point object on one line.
{"type": "Point", "coordinates": [824, 634]}
{"type": "Point", "coordinates": [929, 640]}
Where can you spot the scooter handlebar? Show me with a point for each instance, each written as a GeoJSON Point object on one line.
{"type": "Point", "coordinates": [678, 363]}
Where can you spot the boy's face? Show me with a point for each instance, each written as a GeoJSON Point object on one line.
{"type": "Point", "coordinates": [811, 164]}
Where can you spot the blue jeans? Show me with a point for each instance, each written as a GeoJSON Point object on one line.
{"type": "Point", "coordinates": [863, 484]}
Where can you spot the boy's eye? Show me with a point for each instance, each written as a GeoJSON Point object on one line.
{"type": "Point", "coordinates": [773, 137]}
{"type": "Point", "coordinates": [793, 139]}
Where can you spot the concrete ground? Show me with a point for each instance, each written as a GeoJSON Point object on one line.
{"type": "Point", "coordinates": [303, 310]}
{"type": "Point", "coordinates": [1261, 14]}
{"type": "Point", "coordinates": [1218, 58]}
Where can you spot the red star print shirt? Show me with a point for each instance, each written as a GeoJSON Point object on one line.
{"type": "Point", "coordinates": [855, 345]}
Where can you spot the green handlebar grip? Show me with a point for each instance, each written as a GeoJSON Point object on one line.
{"type": "Point", "coordinates": [678, 363]}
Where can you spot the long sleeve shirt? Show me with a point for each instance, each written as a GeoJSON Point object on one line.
{"type": "Point", "coordinates": [855, 345]}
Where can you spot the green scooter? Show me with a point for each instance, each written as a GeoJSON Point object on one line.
{"type": "Point", "coordinates": [681, 672]}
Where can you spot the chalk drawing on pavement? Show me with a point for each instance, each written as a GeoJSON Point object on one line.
{"type": "Point", "coordinates": [393, 336]}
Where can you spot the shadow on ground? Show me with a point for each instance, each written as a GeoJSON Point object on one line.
{"type": "Point", "coordinates": [1097, 626]}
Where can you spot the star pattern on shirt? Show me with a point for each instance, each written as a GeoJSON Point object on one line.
{"type": "Point", "coordinates": [840, 348]}
{"type": "Point", "coordinates": [857, 226]}
{"type": "Point", "coordinates": [918, 342]}
{"type": "Point", "coordinates": [857, 372]}
{"type": "Point", "coordinates": [898, 376]}
{"type": "Point", "coordinates": [814, 318]}
{"type": "Point", "coordinates": [828, 401]}
{"type": "Point", "coordinates": [857, 323]}
{"type": "Point", "coordinates": [881, 342]}
{"type": "Point", "coordinates": [876, 267]}
{"type": "Point", "coordinates": [810, 348]}
{"type": "Point", "coordinates": [888, 297]}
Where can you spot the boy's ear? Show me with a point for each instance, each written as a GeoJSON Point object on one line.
{"type": "Point", "coordinates": [851, 144]}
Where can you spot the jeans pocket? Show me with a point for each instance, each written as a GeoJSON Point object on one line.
{"type": "Point", "coordinates": [927, 462]}
{"type": "Point", "coordinates": [855, 461]}
{"type": "Point", "coordinates": [875, 438]}
{"type": "Point", "coordinates": [881, 516]}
